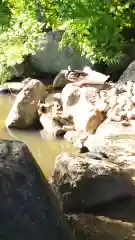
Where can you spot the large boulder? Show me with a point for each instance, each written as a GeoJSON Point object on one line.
{"type": "Point", "coordinates": [84, 105]}
{"type": "Point", "coordinates": [128, 74]}
{"type": "Point", "coordinates": [24, 110]}
{"type": "Point", "coordinates": [52, 59]}
{"type": "Point", "coordinates": [84, 181]}
{"type": "Point", "coordinates": [28, 207]}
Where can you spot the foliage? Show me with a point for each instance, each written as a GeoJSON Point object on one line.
{"type": "Point", "coordinates": [19, 38]}
{"type": "Point", "coordinates": [94, 27]}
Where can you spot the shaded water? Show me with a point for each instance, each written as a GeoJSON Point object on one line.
{"type": "Point", "coordinates": [44, 150]}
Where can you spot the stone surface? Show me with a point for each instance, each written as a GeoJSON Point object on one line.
{"type": "Point", "coordinates": [52, 119]}
{"type": "Point", "coordinates": [51, 126]}
{"type": "Point", "coordinates": [128, 74]}
{"type": "Point", "coordinates": [88, 121]}
{"type": "Point", "coordinates": [18, 70]}
{"type": "Point", "coordinates": [95, 77]}
{"type": "Point", "coordinates": [112, 128]}
{"type": "Point", "coordinates": [52, 59]}
{"type": "Point", "coordinates": [86, 227]}
{"type": "Point", "coordinates": [86, 100]}
{"type": "Point", "coordinates": [76, 138]}
{"type": "Point", "coordinates": [28, 207]}
{"type": "Point", "coordinates": [16, 87]}
{"type": "Point", "coordinates": [85, 77]}
{"type": "Point", "coordinates": [74, 96]}
{"type": "Point", "coordinates": [119, 149]}
{"type": "Point", "coordinates": [60, 80]}
{"type": "Point", "coordinates": [24, 110]}
{"type": "Point", "coordinates": [86, 180]}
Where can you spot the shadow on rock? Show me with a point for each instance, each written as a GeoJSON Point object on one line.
{"type": "Point", "coordinates": [123, 210]}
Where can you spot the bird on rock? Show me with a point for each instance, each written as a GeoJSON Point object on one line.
{"type": "Point", "coordinates": [85, 77]}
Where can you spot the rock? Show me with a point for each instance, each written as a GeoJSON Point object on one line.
{"type": "Point", "coordinates": [89, 121]}
{"type": "Point", "coordinates": [28, 209]}
{"type": "Point", "coordinates": [86, 226]}
{"type": "Point", "coordinates": [4, 89]}
{"type": "Point", "coordinates": [75, 100]}
{"type": "Point", "coordinates": [81, 181]}
{"type": "Point", "coordinates": [57, 96]}
{"type": "Point", "coordinates": [26, 80]}
{"type": "Point", "coordinates": [94, 140]}
{"type": "Point", "coordinates": [51, 126]}
{"type": "Point", "coordinates": [18, 70]}
{"type": "Point", "coordinates": [71, 135]}
{"type": "Point", "coordinates": [87, 77]}
{"type": "Point", "coordinates": [15, 87]}
{"type": "Point", "coordinates": [95, 77]}
{"type": "Point", "coordinates": [74, 97]}
{"type": "Point", "coordinates": [128, 74]}
{"type": "Point", "coordinates": [70, 96]}
{"type": "Point", "coordinates": [111, 128]}
{"type": "Point", "coordinates": [52, 119]}
{"type": "Point", "coordinates": [51, 59]}
{"type": "Point", "coordinates": [76, 138]}
{"type": "Point", "coordinates": [24, 110]}
{"type": "Point", "coordinates": [60, 80]}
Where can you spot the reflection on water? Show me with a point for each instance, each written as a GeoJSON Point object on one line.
{"type": "Point", "coordinates": [44, 150]}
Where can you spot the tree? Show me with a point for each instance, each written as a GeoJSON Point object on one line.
{"type": "Point", "coordinates": [94, 27]}
{"type": "Point", "coordinates": [20, 32]}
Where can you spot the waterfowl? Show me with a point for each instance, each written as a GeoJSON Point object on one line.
{"type": "Point", "coordinates": [75, 75]}
{"type": "Point", "coordinates": [85, 76]}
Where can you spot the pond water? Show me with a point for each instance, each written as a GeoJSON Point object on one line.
{"type": "Point", "coordinates": [44, 150]}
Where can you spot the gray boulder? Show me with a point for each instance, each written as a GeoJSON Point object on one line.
{"type": "Point", "coordinates": [84, 181]}
{"type": "Point", "coordinates": [52, 59]}
{"type": "Point", "coordinates": [60, 80]}
{"type": "Point", "coordinates": [128, 74]}
{"type": "Point", "coordinates": [28, 207]}
{"type": "Point", "coordinates": [23, 113]}
{"type": "Point", "coordinates": [18, 70]}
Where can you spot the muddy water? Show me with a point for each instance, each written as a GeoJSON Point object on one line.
{"type": "Point", "coordinates": [44, 150]}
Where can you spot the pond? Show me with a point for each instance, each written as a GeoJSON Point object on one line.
{"type": "Point", "coordinates": [44, 150]}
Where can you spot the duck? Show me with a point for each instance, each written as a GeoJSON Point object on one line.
{"type": "Point", "coordinates": [75, 75]}
{"type": "Point", "coordinates": [85, 76]}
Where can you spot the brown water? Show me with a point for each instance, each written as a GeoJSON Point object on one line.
{"type": "Point", "coordinates": [44, 150]}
